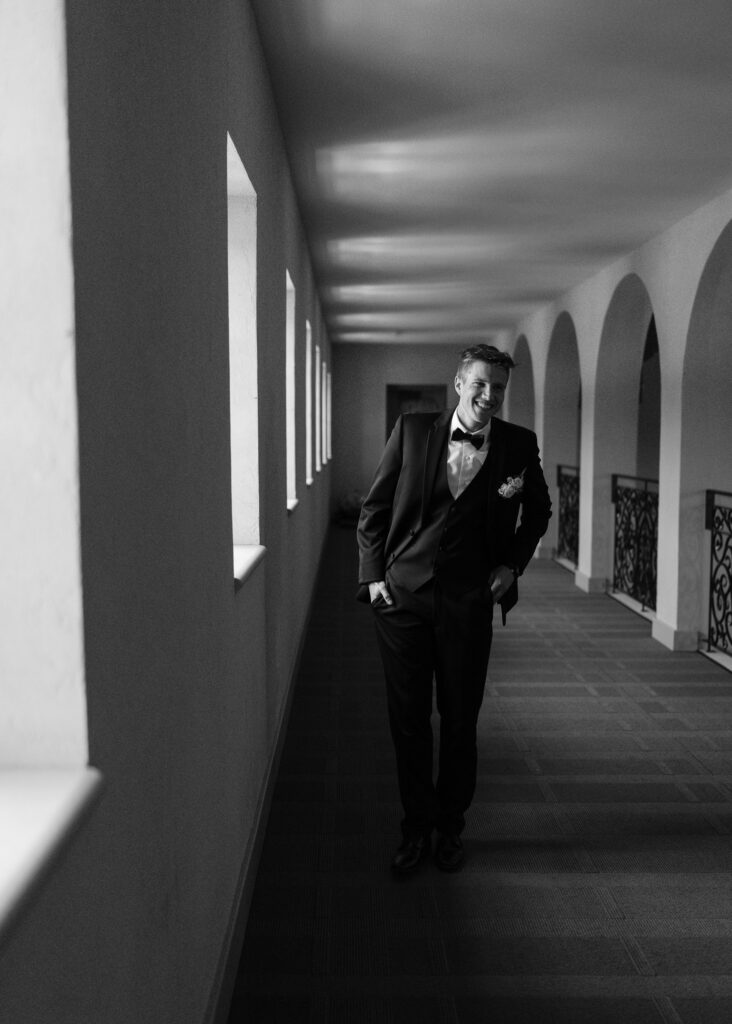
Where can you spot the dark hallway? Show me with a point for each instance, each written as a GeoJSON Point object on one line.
{"type": "Point", "coordinates": [598, 881]}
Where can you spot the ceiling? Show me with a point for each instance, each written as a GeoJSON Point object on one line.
{"type": "Point", "coordinates": [460, 163]}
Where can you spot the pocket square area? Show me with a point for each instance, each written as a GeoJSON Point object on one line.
{"type": "Point", "coordinates": [512, 486]}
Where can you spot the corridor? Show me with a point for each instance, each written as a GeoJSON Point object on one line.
{"type": "Point", "coordinates": [239, 239]}
{"type": "Point", "coordinates": [598, 880]}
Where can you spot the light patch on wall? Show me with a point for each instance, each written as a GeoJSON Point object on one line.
{"type": "Point", "coordinates": [43, 715]}
{"type": "Point", "coordinates": [243, 393]}
{"type": "Point", "coordinates": [329, 416]}
{"type": "Point", "coordinates": [324, 410]}
{"type": "Point", "coordinates": [308, 403]}
{"type": "Point", "coordinates": [318, 421]}
{"type": "Point", "coordinates": [290, 380]}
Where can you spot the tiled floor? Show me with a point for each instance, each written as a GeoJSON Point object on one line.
{"type": "Point", "coordinates": [598, 884]}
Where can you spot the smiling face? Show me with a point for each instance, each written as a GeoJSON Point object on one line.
{"type": "Point", "coordinates": [482, 388]}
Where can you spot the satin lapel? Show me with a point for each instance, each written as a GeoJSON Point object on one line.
{"type": "Point", "coordinates": [436, 444]}
{"type": "Point", "coordinates": [496, 458]}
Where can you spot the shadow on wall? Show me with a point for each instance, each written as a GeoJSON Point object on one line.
{"type": "Point", "coordinates": [348, 509]}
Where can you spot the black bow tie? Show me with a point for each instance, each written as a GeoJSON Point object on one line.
{"type": "Point", "coordinates": [461, 435]}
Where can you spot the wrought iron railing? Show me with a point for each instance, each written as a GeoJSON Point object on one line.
{"type": "Point", "coordinates": [636, 538]}
{"type": "Point", "coordinates": [719, 521]}
{"type": "Point", "coordinates": [568, 540]}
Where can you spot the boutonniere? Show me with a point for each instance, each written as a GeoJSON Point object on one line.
{"type": "Point", "coordinates": [513, 485]}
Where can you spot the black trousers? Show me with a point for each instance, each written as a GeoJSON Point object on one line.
{"type": "Point", "coordinates": [441, 632]}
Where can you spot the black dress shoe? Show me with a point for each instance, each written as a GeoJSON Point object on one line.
{"type": "Point", "coordinates": [449, 853]}
{"type": "Point", "coordinates": [409, 855]}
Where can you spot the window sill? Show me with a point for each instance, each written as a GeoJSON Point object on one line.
{"type": "Point", "coordinates": [292, 504]}
{"type": "Point", "coordinates": [246, 558]}
{"type": "Point", "coordinates": [40, 809]}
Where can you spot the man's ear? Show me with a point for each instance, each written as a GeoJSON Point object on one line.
{"type": "Point", "coordinates": [458, 383]}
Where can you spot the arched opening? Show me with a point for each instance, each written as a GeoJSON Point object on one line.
{"type": "Point", "coordinates": [626, 447]}
{"type": "Point", "coordinates": [705, 577]}
{"type": "Point", "coordinates": [649, 408]}
{"type": "Point", "coordinates": [520, 397]}
{"type": "Point", "coordinates": [243, 397]}
{"type": "Point", "coordinates": [561, 439]}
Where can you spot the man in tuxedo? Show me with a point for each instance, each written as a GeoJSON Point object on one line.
{"type": "Point", "coordinates": [440, 542]}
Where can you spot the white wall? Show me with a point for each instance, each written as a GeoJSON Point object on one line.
{"type": "Point", "coordinates": [186, 680]}
{"type": "Point", "coordinates": [705, 461]}
{"type": "Point", "coordinates": [42, 699]}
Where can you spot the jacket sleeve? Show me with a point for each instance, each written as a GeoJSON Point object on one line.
{"type": "Point", "coordinates": [376, 511]}
{"type": "Point", "coordinates": [536, 509]}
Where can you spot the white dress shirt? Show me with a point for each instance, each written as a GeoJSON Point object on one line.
{"type": "Point", "coordinates": [463, 459]}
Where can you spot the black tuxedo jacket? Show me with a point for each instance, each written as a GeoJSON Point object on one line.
{"type": "Point", "coordinates": [393, 511]}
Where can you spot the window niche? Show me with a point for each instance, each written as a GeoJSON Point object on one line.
{"type": "Point", "coordinates": [290, 379]}
{"type": "Point", "coordinates": [243, 389]}
{"type": "Point", "coordinates": [318, 423]}
{"type": "Point", "coordinates": [324, 411]}
{"type": "Point", "coordinates": [308, 403]}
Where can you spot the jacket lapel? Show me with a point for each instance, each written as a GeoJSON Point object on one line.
{"type": "Point", "coordinates": [436, 444]}
{"type": "Point", "coordinates": [496, 458]}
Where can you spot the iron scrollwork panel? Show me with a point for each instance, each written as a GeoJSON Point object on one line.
{"type": "Point", "coordinates": [568, 540]}
{"type": "Point", "coordinates": [720, 593]}
{"type": "Point", "coordinates": [636, 544]}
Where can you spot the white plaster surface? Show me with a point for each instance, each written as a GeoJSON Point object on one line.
{"type": "Point", "coordinates": [243, 385]}
{"type": "Point", "coordinates": [246, 558]}
{"type": "Point", "coordinates": [38, 810]}
{"type": "Point", "coordinates": [42, 698]}
{"type": "Point", "coordinates": [694, 433]}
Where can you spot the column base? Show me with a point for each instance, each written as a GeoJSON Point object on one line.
{"type": "Point", "coordinates": [590, 584]}
{"type": "Point", "coordinates": [544, 551]}
{"type": "Point", "coordinates": [675, 639]}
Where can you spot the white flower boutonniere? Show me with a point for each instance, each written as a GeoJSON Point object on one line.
{"type": "Point", "coordinates": [513, 485]}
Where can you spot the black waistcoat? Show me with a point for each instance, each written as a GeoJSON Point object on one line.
{"type": "Point", "coordinates": [452, 544]}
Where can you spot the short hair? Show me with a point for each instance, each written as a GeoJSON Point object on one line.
{"type": "Point", "coordinates": [484, 354]}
